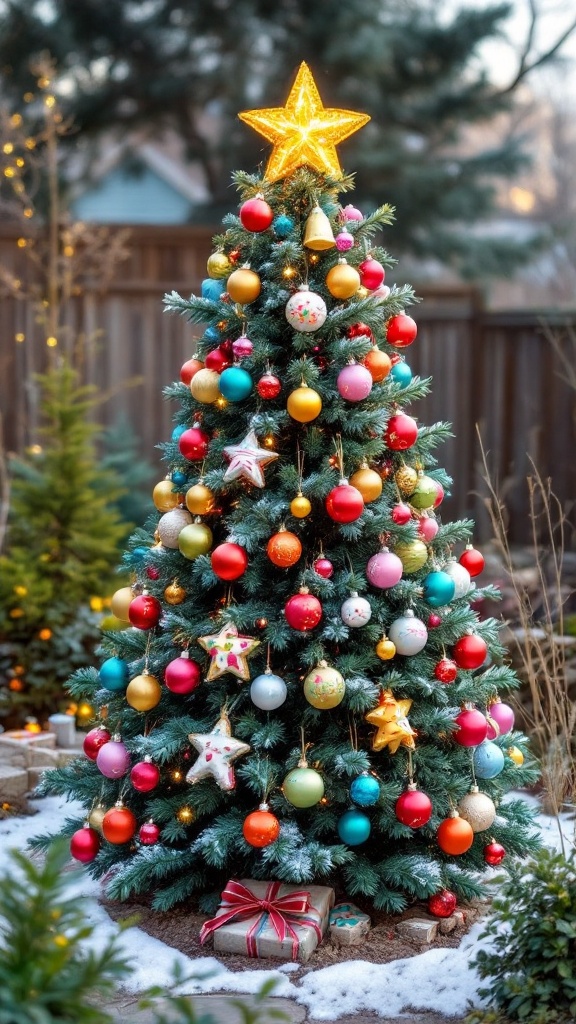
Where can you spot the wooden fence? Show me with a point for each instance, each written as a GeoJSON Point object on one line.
{"type": "Point", "coordinates": [496, 370]}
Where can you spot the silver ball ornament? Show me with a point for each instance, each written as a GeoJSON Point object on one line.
{"type": "Point", "coordinates": [170, 525]}
{"type": "Point", "coordinates": [268, 691]}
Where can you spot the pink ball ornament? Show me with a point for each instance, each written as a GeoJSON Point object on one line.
{"type": "Point", "coordinates": [434, 620]}
{"type": "Point", "coordinates": [351, 213]}
{"type": "Point", "coordinates": [149, 833]}
{"type": "Point", "coordinates": [344, 241]}
{"type": "Point", "coordinates": [381, 292]}
{"type": "Point", "coordinates": [401, 514]}
{"type": "Point", "coordinates": [242, 347]}
{"type": "Point", "coordinates": [472, 728]}
{"type": "Point", "coordinates": [324, 568]}
{"type": "Point", "coordinates": [371, 274]}
{"type": "Point", "coordinates": [145, 776]}
{"type": "Point", "coordinates": [384, 570]}
{"type": "Point", "coordinates": [182, 675]}
{"type": "Point", "coordinates": [354, 382]}
{"type": "Point", "coordinates": [85, 844]}
{"type": "Point", "coordinates": [428, 528]}
{"type": "Point", "coordinates": [500, 719]}
{"type": "Point", "coordinates": [113, 759]}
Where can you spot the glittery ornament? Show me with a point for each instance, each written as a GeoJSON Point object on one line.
{"type": "Point", "coordinates": [477, 809]}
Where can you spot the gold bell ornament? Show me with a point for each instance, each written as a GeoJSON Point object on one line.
{"type": "Point", "coordinates": [318, 234]}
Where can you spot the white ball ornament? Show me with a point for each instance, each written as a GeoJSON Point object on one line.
{"type": "Point", "coordinates": [356, 611]}
{"type": "Point", "coordinates": [306, 311]}
{"type": "Point", "coordinates": [461, 578]}
{"type": "Point", "coordinates": [171, 524]}
{"type": "Point", "coordinates": [408, 634]}
{"type": "Point", "coordinates": [477, 809]}
{"type": "Point", "coordinates": [268, 691]}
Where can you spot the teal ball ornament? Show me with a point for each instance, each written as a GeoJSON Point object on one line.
{"type": "Point", "coordinates": [211, 334]}
{"type": "Point", "coordinates": [282, 225]}
{"type": "Point", "coordinates": [354, 827]}
{"type": "Point", "coordinates": [438, 588]}
{"type": "Point", "coordinates": [138, 555]}
{"type": "Point", "coordinates": [113, 674]}
{"type": "Point", "coordinates": [365, 790]}
{"type": "Point", "coordinates": [401, 374]}
{"type": "Point", "coordinates": [303, 787]}
{"type": "Point", "coordinates": [488, 760]}
{"type": "Point", "coordinates": [177, 432]}
{"type": "Point", "coordinates": [179, 478]}
{"type": "Point", "coordinates": [212, 288]}
{"type": "Point", "coordinates": [235, 384]}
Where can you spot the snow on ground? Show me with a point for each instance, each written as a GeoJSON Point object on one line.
{"type": "Point", "coordinates": [421, 982]}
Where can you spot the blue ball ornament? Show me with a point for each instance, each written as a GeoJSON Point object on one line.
{"type": "Point", "coordinates": [212, 289]}
{"type": "Point", "coordinates": [401, 374]}
{"type": "Point", "coordinates": [177, 432]}
{"type": "Point", "coordinates": [282, 225]}
{"type": "Point", "coordinates": [235, 383]}
{"type": "Point", "coordinates": [138, 555]}
{"type": "Point", "coordinates": [354, 827]}
{"type": "Point", "coordinates": [365, 790]}
{"type": "Point", "coordinates": [211, 334]}
{"type": "Point", "coordinates": [113, 674]}
{"type": "Point", "coordinates": [438, 588]}
{"type": "Point", "coordinates": [488, 760]}
{"type": "Point", "coordinates": [179, 478]}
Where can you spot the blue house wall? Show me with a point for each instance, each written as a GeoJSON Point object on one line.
{"type": "Point", "coordinates": [128, 198]}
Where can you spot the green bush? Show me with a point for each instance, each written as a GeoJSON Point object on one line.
{"type": "Point", "coordinates": [531, 966]}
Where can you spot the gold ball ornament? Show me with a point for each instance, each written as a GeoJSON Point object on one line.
{"type": "Point", "coordinates": [171, 525]}
{"type": "Point", "coordinates": [406, 479]}
{"type": "Point", "coordinates": [243, 285]}
{"type": "Point", "coordinates": [385, 649]}
{"type": "Point", "coordinates": [342, 281]}
{"type": "Point", "coordinates": [174, 594]}
{"type": "Point", "coordinates": [199, 499]}
{"type": "Point", "coordinates": [218, 265]}
{"type": "Point", "coordinates": [516, 755]}
{"type": "Point", "coordinates": [300, 507]}
{"type": "Point", "coordinates": [143, 692]}
{"type": "Point", "coordinates": [195, 540]}
{"type": "Point", "coordinates": [304, 404]}
{"type": "Point", "coordinates": [324, 687]}
{"type": "Point", "coordinates": [95, 817]}
{"type": "Point", "coordinates": [477, 809]}
{"type": "Point", "coordinates": [368, 482]}
{"type": "Point", "coordinates": [165, 497]}
{"type": "Point", "coordinates": [205, 386]}
{"type": "Point", "coordinates": [120, 603]}
{"type": "Point", "coordinates": [413, 554]}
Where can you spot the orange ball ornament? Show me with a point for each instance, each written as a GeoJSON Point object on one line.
{"type": "Point", "coordinates": [284, 549]}
{"type": "Point", "coordinates": [243, 285]}
{"type": "Point", "coordinates": [342, 281]}
{"type": "Point", "coordinates": [119, 825]}
{"type": "Point", "coordinates": [165, 497]}
{"type": "Point", "coordinates": [300, 507]}
{"type": "Point", "coordinates": [304, 404]}
{"type": "Point", "coordinates": [261, 827]}
{"type": "Point", "coordinates": [455, 835]}
{"type": "Point", "coordinates": [199, 499]}
{"type": "Point", "coordinates": [368, 482]}
{"type": "Point", "coordinates": [378, 364]}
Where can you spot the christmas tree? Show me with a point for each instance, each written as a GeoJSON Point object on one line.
{"type": "Point", "coordinates": [306, 692]}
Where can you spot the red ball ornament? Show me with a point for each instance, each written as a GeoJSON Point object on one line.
{"type": "Point", "coordinates": [149, 833]}
{"type": "Point", "coordinates": [256, 214]}
{"type": "Point", "coordinates": [261, 827]}
{"type": "Point", "coordinates": [145, 611]}
{"type": "Point", "coordinates": [344, 504]}
{"type": "Point", "coordinates": [229, 561]}
{"type": "Point", "coordinates": [217, 360]}
{"type": "Point", "coordinates": [401, 514]}
{"type": "Point", "coordinates": [182, 675]}
{"type": "Point", "coordinates": [434, 620]}
{"type": "Point", "coordinates": [152, 572]}
{"type": "Point", "coordinates": [439, 495]}
{"type": "Point", "coordinates": [442, 904]}
{"type": "Point", "coordinates": [119, 825]}
{"type": "Point", "coordinates": [470, 651]}
{"type": "Point", "coordinates": [189, 368]}
{"type": "Point", "coordinates": [494, 853]}
{"type": "Point", "coordinates": [472, 728]}
{"type": "Point", "coordinates": [303, 611]}
{"type": "Point", "coordinates": [145, 776]}
{"type": "Point", "coordinates": [472, 560]}
{"type": "Point", "coordinates": [93, 740]}
{"type": "Point", "coordinates": [401, 432]}
{"type": "Point", "coordinates": [84, 844]}
{"type": "Point", "coordinates": [371, 274]}
{"type": "Point", "coordinates": [324, 568]}
{"type": "Point", "coordinates": [193, 444]}
{"type": "Point", "coordinates": [413, 808]}
{"type": "Point", "coordinates": [359, 330]}
{"type": "Point", "coordinates": [268, 386]}
{"type": "Point", "coordinates": [446, 670]}
{"type": "Point", "coordinates": [401, 330]}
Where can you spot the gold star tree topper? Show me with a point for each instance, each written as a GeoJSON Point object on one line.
{"type": "Point", "coordinates": [394, 729]}
{"type": "Point", "coordinates": [304, 131]}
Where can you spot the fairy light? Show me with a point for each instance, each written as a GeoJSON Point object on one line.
{"type": "Point", "coordinates": [8, 147]}
{"type": "Point", "coordinates": [20, 162]}
{"type": "Point", "coordinates": [21, 243]}
{"type": "Point", "coordinates": [9, 172]}
{"type": "Point", "coordinates": [269, 441]}
{"type": "Point", "coordinates": [16, 120]}
{"type": "Point", "coordinates": [177, 775]}
{"type": "Point", "coordinates": [185, 815]}
{"type": "Point", "coordinates": [28, 97]}
{"type": "Point", "coordinates": [221, 403]}
{"type": "Point", "coordinates": [28, 212]}
{"type": "Point", "coordinates": [49, 101]}
{"type": "Point", "coordinates": [69, 250]}
{"type": "Point", "coordinates": [30, 143]}
{"type": "Point", "coordinates": [288, 272]}
{"type": "Point", "coordinates": [51, 342]}
{"type": "Point", "coordinates": [43, 82]}
{"type": "Point", "coordinates": [16, 613]}
{"type": "Point", "coordinates": [20, 590]}
{"type": "Point", "coordinates": [45, 634]}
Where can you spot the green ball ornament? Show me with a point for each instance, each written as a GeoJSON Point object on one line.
{"type": "Point", "coordinates": [303, 787]}
{"type": "Point", "coordinates": [324, 687]}
{"type": "Point", "coordinates": [425, 493]}
{"type": "Point", "coordinates": [195, 540]}
{"type": "Point", "coordinates": [413, 554]}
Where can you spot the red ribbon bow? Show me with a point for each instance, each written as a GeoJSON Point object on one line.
{"type": "Point", "coordinates": [283, 911]}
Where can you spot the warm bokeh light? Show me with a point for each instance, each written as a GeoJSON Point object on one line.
{"type": "Point", "coordinates": [522, 199]}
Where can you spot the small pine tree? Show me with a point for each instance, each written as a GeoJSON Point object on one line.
{"type": "Point", "coordinates": [372, 676]}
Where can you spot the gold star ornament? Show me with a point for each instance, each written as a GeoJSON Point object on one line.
{"type": "Point", "coordinates": [304, 132]}
{"type": "Point", "coordinates": [394, 729]}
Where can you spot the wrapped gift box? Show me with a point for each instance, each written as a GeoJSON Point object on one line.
{"type": "Point", "coordinates": [270, 919]}
{"type": "Point", "coordinates": [349, 925]}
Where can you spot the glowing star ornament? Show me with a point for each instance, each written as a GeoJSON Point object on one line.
{"type": "Point", "coordinates": [304, 132]}
{"type": "Point", "coordinates": [228, 652]}
{"type": "Point", "coordinates": [247, 460]}
{"type": "Point", "coordinates": [217, 750]}
{"type": "Point", "coordinates": [394, 729]}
